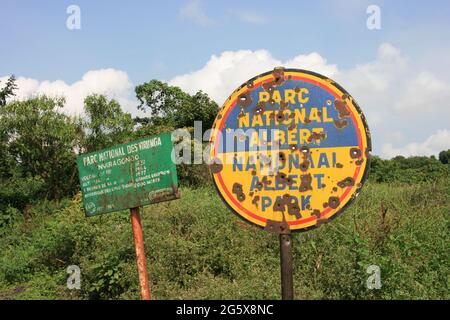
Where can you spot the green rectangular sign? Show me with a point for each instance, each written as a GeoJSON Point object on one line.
{"type": "Point", "coordinates": [129, 175]}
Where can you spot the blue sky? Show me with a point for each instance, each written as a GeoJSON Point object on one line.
{"type": "Point", "coordinates": [165, 40]}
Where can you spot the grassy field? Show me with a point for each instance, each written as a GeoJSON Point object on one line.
{"type": "Point", "coordinates": [197, 249]}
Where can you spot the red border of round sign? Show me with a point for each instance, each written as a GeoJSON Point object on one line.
{"type": "Point", "coordinates": [304, 220]}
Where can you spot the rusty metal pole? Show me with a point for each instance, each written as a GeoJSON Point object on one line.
{"type": "Point", "coordinates": [287, 280]}
{"type": "Point", "coordinates": [140, 253]}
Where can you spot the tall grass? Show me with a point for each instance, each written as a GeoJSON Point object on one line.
{"type": "Point", "coordinates": [197, 249]}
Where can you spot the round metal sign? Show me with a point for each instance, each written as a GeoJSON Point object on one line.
{"type": "Point", "coordinates": [289, 150]}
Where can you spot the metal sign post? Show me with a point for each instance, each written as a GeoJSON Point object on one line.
{"type": "Point", "coordinates": [287, 279]}
{"type": "Point", "coordinates": [141, 260]}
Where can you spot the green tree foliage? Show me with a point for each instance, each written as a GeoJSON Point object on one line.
{"type": "Point", "coordinates": [8, 90]}
{"type": "Point", "coordinates": [407, 170]}
{"type": "Point", "coordinates": [444, 156]}
{"type": "Point", "coordinates": [38, 143]}
{"type": "Point", "coordinates": [105, 124]}
{"type": "Point", "coordinates": [170, 106]}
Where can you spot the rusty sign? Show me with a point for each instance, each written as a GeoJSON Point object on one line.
{"type": "Point", "coordinates": [289, 150]}
{"type": "Point", "coordinates": [129, 175]}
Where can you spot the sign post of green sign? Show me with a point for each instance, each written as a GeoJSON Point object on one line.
{"type": "Point", "coordinates": [129, 176]}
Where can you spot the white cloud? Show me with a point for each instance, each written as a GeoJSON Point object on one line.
{"type": "Point", "coordinates": [424, 93]}
{"type": "Point", "coordinates": [403, 103]}
{"type": "Point", "coordinates": [435, 143]}
{"type": "Point", "coordinates": [193, 11]}
{"type": "Point", "coordinates": [110, 82]}
{"type": "Point", "coordinates": [224, 73]}
{"type": "Point", "coordinates": [375, 77]}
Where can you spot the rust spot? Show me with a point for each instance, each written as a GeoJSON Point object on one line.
{"type": "Point", "coordinates": [305, 150]}
{"type": "Point", "coordinates": [253, 172]}
{"type": "Point", "coordinates": [266, 181]}
{"type": "Point", "coordinates": [278, 75]}
{"type": "Point", "coordinates": [215, 166]}
{"type": "Point", "coordinates": [259, 185]}
{"type": "Point", "coordinates": [245, 99]}
{"type": "Point", "coordinates": [294, 210]}
{"type": "Point", "coordinates": [340, 123]}
{"type": "Point", "coordinates": [359, 162]}
{"type": "Point", "coordinates": [279, 205]}
{"type": "Point", "coordinates": [237, 190]}
{"type": "Point", "coordinates": [282, 178]}
{"type": "Point", "coordinates": [255, 201]}
{"type": "Point", "coordinates": [241, 114]}
{"type": "Point", "coordinates": [293, 147]}
{"type": "Point", "coordinates": [250, 84]}
{"type": "Point", "coordinates": [316, 213]}
{"type": "Point", "coordinates": [291, 126]}
{"type": "Point", "coordinates": [278, 79]}
{"type": "Point", "coordinates": [289, 202]}
{"type": "Point", "coordinates": [355, 153]}
{"type": "Point", "coordinates": [333, 202]}
{"type": "Point", "coordinates": [335, 189]}
{"type": "Point", "coordinates": [277, 227]}
{"type": "Point", "coordinates": [316, 136]}
{"type": "Point", "coordinates": [323, 185]}
{"type": "Point", "coordinates": [304, 165]}
{"type": "Point", "coordinates": [280, 116]}
{"type": "Point", "coordinates": [282, 157]}
{"type": "Point", "coordinates": [305, 182]}
{"type": "Point", "coordinates": [347, 182]}
{"type": "Point", "coordinates": [259, 108]}
{"type": "Point", "coordinates": [219, 116]}
{"type": "Point", "coordinates": [325, 204]}
{"type": "Point", "coordinates": [342, 108]}
{"type": "Point", "coordinates": [339, 165]}
{"type": "Point", "coordinates": [268, 87]}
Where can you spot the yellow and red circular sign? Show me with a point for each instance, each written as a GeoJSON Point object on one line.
{"type": "Point", "coordinates": [289, 150]}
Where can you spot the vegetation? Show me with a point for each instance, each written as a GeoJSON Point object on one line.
{"type": "Point", "coordinates": [195, 247]}
{"type": "Point", "coordinates": [206, 252]}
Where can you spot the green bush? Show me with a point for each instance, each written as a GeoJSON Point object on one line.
{"type": "Point", "coordinates": [197, 249]}
{"type": "Point", "coordinates": [407, 170]}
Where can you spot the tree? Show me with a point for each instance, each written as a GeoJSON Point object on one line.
{"type": "Point", "coordinates": [8, 90]}
{"type": "Point", "coordinates": [444, 156]}
{"type": "Point", "coordinates": [172, 107]}
{"type": "Point", "coordinates": [407, 170]}
{"type": "Point", "coordinates": [106, 124]}
{"type": "Point", "coordinates": [40, 142]}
